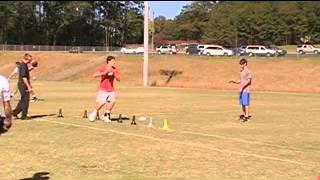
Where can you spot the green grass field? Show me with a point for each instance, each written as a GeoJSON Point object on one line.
{"type": "Point", "coordinates": [205, 140]}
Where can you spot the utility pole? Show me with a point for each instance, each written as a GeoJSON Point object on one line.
{"type": "Point", "coordinates": [152, 32]}
{"type": "Point", "coordinates": [146, 42]}
{"type": "Point", "coordinates": [106, 38]}
{"type": "Point", "coordinates": [236, 39]}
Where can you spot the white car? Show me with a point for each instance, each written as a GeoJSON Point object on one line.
{"type": "Point", "coordinates": [166, 50]}
{"type": "Point", "coordinates": [306, 48]}
{"type": "Point", "coordinates": [126, 50]}
{"type": "Point", "coordinates": [215, 50]}
{"type": "Point", "coordinates": [138, 50]}
{"type": "Point", "coordinates": [259, 51]}
{"type": "Point", "coordinates": [201, 48]}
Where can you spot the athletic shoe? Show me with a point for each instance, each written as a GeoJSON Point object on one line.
{"type": "Point", "coordinates": [26, 118]}
{"type": "Point", "coordinates": [3, 130]}
{"type": "Point", "coordinates": [92, 116]}
{"type": "Point", "coordinates": [106, 118]}
{"type": "Point", "coordinates": [14, 117]}
{"type": "Point", "coordinates": [244, 119]}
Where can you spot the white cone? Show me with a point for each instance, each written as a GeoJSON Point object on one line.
{"type": "Point", "coordinates": [142, 118]}
{"type": "Point", "coordinates": [150, 122]}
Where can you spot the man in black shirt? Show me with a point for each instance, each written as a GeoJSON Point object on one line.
{"type": "Point", "coordinates": [24, 88]}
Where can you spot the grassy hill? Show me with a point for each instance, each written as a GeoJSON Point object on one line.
{"type": "Point", "coordinates": [269, 74]}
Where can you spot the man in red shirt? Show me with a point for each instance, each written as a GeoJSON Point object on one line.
{"type": "Point", "coordinates": [106, 94]}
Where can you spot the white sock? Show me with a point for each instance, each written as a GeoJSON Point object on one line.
{"type": "Point", "coordinates": [94, 111]}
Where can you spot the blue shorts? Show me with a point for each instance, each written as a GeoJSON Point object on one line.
{"type": "Point", "coordinates": [244, 98]}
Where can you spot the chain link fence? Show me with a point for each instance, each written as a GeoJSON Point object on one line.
{"type": "Point", "coordinates": [103, 49]}
{"type": "Point", "coordinates": [5, 47]}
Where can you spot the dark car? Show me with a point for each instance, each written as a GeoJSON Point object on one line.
{"type": "Point", "coordinates": [192, 49]}
{"type": "Point", "coordinates": [240, 51]}
{"type": "Point", "coordinates": [279, 52]}
{"type": "Point", "coordinates": [75, 50]}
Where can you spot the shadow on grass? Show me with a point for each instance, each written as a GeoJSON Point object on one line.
{"type": "Point", "coordinates": [41, 115]}
{"type": "Point", "coordinates": [38, 116]}
{"type": "Point", "coordinates": [38, 176]}
{"type": "Point", "coordinates": [170, 74]}
{"type": "Point", "coordinates": [117, 119]}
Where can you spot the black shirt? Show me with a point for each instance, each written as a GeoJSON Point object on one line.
{"type": "Point", "coordinates": [23, 72]}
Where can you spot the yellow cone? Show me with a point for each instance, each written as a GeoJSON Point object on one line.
{"type": "Point", "coordinates": [165, 124]}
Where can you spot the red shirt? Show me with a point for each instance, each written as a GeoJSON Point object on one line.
{"type": "Point", "coordinates": [106, 82]}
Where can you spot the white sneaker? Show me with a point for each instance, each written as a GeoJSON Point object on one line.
{"type": "Point", "coordinates": [92, 116]}
{"type": "Point", "coordinates": [106, 119]}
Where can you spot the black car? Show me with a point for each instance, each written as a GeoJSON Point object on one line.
{"type": "Point", "coordinates": [192, 49]}
{"type": "Point", "coordinates": [240, 51]}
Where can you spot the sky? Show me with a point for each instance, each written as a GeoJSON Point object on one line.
{"type": "Point", "coordinates": [168, 9]}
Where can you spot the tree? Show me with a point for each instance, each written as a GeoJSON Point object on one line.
{"type": "Point", "coordinates": [7, 14]}
{"type": "Point", "coordinates": [24, 21]}
{"type": "Point", "coordinates": [121, 22]}
{"type": "Point", "coordinates": [192, 20]}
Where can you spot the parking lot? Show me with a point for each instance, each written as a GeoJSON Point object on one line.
{"type": "Point", "coordinates": [217, 50]}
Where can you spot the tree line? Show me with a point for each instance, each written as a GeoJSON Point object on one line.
{"type": "Point", "coordinates": [117, 23]}
{"type": "Point", "coordinates": [242, 23]}
{"type": "Point", "coordinates": [90, 23]}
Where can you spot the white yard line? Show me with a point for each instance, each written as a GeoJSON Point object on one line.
{"type": "Point", "coordinates": [215, 135]}
{"type": "Point", "coordinates": [200, 112]}
{"type": "Point", "coordinates": [190, 144]}
{"type": "Point", "coordinates": [240, 140]}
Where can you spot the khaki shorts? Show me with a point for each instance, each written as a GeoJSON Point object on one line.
{"type": "Point", "coordinates": [105, 97]}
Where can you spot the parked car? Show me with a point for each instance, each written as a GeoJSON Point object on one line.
{"type": "Point", "coordinates": [166, 49]}
{"type": "Point", "coordinates": [192, 49]}
{"type": "Point", "coordinates": [216, 50]}
{"type": "Point", "coordinates": [279, 51]}
{"type": "Point", "coordinates": [138, 50]}
{"type": "Point", "coordinates": [126, 50]}
{"type": "Point", "coordinates": [307, 49]}
{"type": "Point", "coordinates": [259, 50]}
{"type": "Point", "coordinates": [201, 48]}
{"type": "Point", "coordinates": [75, 50]}
{"type": "Point", "coordinates": [240, 51]}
